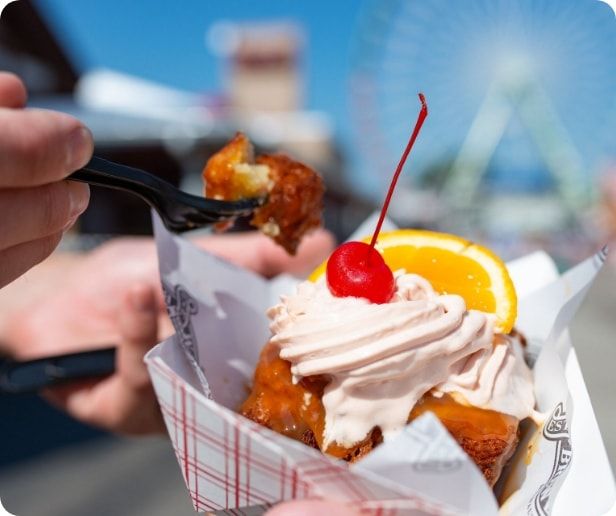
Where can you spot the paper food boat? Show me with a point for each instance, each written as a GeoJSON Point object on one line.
{"type": "Point", "coordinates": [201, 375]}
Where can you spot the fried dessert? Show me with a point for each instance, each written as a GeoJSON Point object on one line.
{"type": "Point", "coordinates": [391, 327]}
{"type": "Point", "coordinates": [296, 410]}
{"type": "Point", "coordinates": [293, 191]}
{"type": "Point", "coordinates": [343, 374]}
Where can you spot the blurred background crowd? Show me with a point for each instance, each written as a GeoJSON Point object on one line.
{"type": "Point", "coordinates": [519, 152]}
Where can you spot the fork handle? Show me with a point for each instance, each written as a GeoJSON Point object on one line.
{"type": "Point", "coordinates": [179, 211]}
{"type": "Point", "coordinates": [100, 172]}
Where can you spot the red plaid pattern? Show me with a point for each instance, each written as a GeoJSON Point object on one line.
{"type": "Point", "coordinates": [229, 462]}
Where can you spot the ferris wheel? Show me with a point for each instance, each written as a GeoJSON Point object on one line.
{"type": "Point", "coordinates": [522, 94]}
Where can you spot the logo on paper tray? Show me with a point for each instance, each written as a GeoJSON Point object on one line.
{"type": "Point", "coordinates": [181, 307]}
{"type": "Point", "coordinates": [556, 430]}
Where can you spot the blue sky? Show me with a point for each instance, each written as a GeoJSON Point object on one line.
{"type": "Point", "coordinates": [161, 41]}
{"type": "Point", "coordinates": [447, 49]}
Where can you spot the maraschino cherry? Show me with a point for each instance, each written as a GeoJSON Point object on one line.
{"type": "Point", "coordinates": [357, 269]}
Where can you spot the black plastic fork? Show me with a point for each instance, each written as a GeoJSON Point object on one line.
{"type": "Point", "coordinates": [178, 210]}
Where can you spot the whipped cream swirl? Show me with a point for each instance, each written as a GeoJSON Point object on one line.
{"type": "Point", "coordinates": [382, 358]}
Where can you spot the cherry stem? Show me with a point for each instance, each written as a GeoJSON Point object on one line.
{"type": "Point", "coordinates": [420, 120]}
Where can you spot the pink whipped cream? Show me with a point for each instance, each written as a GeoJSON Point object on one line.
{"type": "Point", "coordinates": [382, 358]}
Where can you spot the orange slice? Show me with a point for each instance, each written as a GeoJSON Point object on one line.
{"type": "Point", "coordinates": [453, 266]}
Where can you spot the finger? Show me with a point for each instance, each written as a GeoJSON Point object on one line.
{"type": "Point", "coordinates": [311, 507]}
{"type": "Point", "coordinates": [39, 147]}
{"type": "Point", "coordinates": [315, 248]}
{"type": "Point", "coordinates": [260, 254]}
{"type": "Point", "coordinates": [130, 404]}
{"type": "Point", "coordinates": [16, 260]}
{"type": "Point", "coordinates": [12, 91]}
{"type": "Point", "coordinates": [138, 322]}
{"type": "Point", "coordinates": [125, 402]}
{"type": "Point", "coordinates": [32, 213]}
{"type": "Point", "coordinates": [60, 395]}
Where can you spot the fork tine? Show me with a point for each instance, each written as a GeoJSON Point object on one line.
{"type": "Point", "coordinates": [190, 211]}
{"type": "Point", "coordinates": [218, 208]}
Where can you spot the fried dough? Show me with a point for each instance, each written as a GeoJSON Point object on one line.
{"type": "Point", "coordinates": [293, 191]}
{"type": "Point", "coordinates": [295, 410]}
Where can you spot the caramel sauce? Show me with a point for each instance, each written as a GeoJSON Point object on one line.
{"type": "Point", "coordinates": [488, 437]}
{"type": "Point", "coordinates": [466, 420]}
{"type": "Point", "coordinates": [287, 408]}
{"type": "Point", "coordinates": [296, 410]}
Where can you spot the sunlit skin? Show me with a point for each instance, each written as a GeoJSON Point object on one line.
{"type": "Point", "coordinates": [38, 150]}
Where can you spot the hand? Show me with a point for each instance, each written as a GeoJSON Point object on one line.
{"type": "Point", "coordinates": [110, 296]}
{"type": "Point", "coordinates": [98, 303]}
{"type": "Point", "coordinates": [311, 507]}
{"type": "Point", "coordinates": [258, 253]}
{"type": "Point", "coordinates": [38, 149]}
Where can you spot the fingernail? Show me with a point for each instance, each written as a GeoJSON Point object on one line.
{"type": "Point", "coordinates": [80, 148]}
{"type": "Point", "coordinates": [79, 197]}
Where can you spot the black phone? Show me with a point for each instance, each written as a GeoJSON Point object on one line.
{"type": "Point", "coordinates": [18, 377]}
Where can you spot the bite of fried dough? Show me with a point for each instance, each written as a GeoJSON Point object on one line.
{"type": "Point", "coordinates": [293, 191]}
